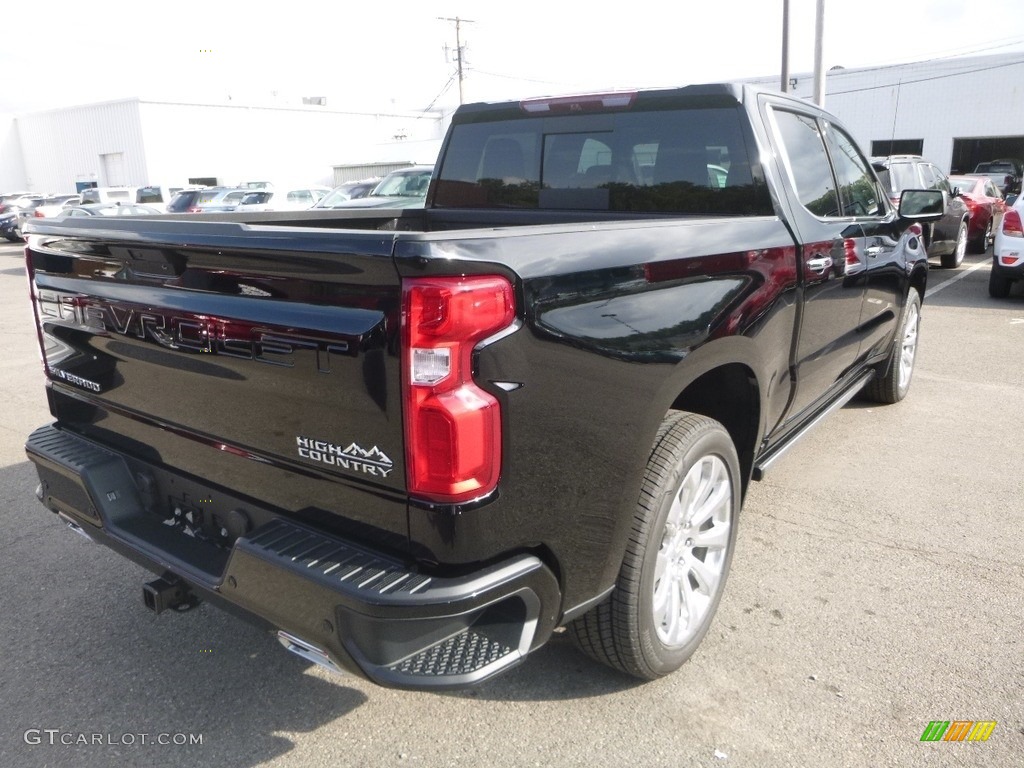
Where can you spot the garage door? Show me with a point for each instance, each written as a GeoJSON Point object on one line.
{"type": "Point", "coordinates": [967, 153]}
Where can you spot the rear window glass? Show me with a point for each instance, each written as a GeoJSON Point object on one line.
{"type": "Point", "coordinates": [679, 161]}
{"type": "Point", "coordinates": [90, 196]}
{"type": "Point", "coordinates": [149, 195]}
{"type": "Point", "coordinates": [900, 176]}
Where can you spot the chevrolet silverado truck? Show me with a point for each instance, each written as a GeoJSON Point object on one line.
{"type": "Point", "coordinates": [415, 443]}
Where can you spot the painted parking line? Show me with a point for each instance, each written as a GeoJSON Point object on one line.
{"type": "Point", "coordinates": [935, 289]}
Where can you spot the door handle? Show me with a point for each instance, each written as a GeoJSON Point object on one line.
{"type": "Point", "coordinates": [820, 264]}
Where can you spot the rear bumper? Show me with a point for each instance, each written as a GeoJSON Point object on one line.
{"type": "Point", "coordinates": [1009, 261]}
{"type": "Point", "coordinates": [365, 612]}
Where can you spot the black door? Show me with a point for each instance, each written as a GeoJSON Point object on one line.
{"type": "Point", "coordinates": [831, 259]}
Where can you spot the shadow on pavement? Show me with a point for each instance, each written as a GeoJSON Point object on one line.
{"type": "Point", "coordinates": [83, 656]}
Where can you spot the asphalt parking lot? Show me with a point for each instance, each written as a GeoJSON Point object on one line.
{"type": "Point", "coordinates": [878, 585]}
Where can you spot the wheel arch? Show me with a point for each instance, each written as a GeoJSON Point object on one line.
{"type": "Point", "coordinates": [730, 395]}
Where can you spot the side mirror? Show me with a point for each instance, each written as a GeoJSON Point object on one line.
{"type": "Point", "coordinates": [922, 205]}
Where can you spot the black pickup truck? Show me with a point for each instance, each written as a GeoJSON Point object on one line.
{"type": "Point", "coordinates": [417, 442]}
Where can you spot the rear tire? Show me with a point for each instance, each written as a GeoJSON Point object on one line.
{"type": "Point", "coordinates": [895, 383]}
{"type": "Point", "coordinates": [998, 285]}
{"type": "Point", "coordinates": [956, 258]}
{"type": "Point", "coordinates": [982, 243]}
{"type": "Point", "coordinates": [677, 557]}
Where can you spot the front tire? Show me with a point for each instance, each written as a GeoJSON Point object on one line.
{"type": "Point", "coordinates": [895, 383]}
{"type": "Point", "coordinates": [956, 258]}
{"type": "Point", "coordinates": [678, 555]}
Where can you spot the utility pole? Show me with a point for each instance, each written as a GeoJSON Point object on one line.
{"type": "Point", "coordinates": [819, 68]}
{"type": "Point", "coordinates": [785, 47]}
{"type": "Point", "coordinates": [458, 46]}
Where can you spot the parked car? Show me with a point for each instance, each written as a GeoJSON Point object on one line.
{"type": "Point", "coordinates": [288, 199]}
{"type": "Point", "coordinates": [107, 209]}
{"type": "Point", "coordinates": [405, 188]}
{"type": "Point", "coordinates": [93, 195]}
{"type": "Point", "coordinates": [1008, 169]}
{"type": "Point", "coordinates": [350, 190]}
{"type": "Point", "coordinates": [8, 196]}
{"type": "Point", "coordinates": [19, 202]}
{"type": "Point", "coordinates": [17, 211]}
{"type": "Point", "coordinates": [1008, 251]}
{"type": "Point", "coordinates": [9, 228]}
{"type": "Point", "coordinates": [984, 207]}
{"type": "Point", "coordinates": [51, 206]}
{"type": "Point", "coordinates": [946, 238]}
{"type": "Point", "coordinates": [155, 195]}
{"type": "Point", "coordinates": [206, 199]}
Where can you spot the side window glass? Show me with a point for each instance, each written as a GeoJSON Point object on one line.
{"type": "Point", "coordinates": [928, 177]}
{"type": "Point", "coordinates": [858, 192]}
{"type": "Point", "coordinates": [808, 163]}
{"type": "Point", "coordinates": [941, 182]}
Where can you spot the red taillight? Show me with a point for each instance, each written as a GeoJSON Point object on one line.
{"type": "Point", "coordinates": [38, 214]}
{"type": "Point", "coordinates": [850, 252]}
{"type": "Point", "coordinates": [1012, 224]}
{"type": "Point", "coordinates": [194, 209]}
{"type": "Point", "coordinates": [452, 426]}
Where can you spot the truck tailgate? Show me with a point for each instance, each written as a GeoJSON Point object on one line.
{"type": "Point", "coordinates": [262, 358]}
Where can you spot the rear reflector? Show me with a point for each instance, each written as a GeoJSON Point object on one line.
{"type": "Point", "coordinates": [452, 426]}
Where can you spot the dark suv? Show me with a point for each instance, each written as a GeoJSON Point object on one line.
{"type": "Point", "coordinates": [1005, 173]}
{"type": "Point", "coordinates": [946, 238]}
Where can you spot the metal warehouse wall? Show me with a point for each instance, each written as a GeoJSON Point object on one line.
{"type": "Point", "coordinates": [12, 168]}
{"type": "Point", "coordinates": [281, 145]}
{"type": "Point", "coordinates": [137, 142]}
{"type": "Point", "coordinates": [934, 101]}
{"type": "Point", "coordinates": [99, 143]}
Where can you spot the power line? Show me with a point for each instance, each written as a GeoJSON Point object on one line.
{"type": "Point", "coordinates": [927, 79]}
{"type": "Point", "coordinates": [990, 46]}
{"type": "Point", "coordinates": [439, 95]}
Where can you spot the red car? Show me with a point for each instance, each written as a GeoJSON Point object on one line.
{"type": "Point", "coordinates": [985, 207]}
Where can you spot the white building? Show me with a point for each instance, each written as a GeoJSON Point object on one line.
{"type": "Point", "coordinates": [955, 112]}
{"type": "Point", "coordinates": [138, 142]}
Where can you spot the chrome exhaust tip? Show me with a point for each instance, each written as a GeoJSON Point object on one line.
{"type": "Point", "coordinates": [72, 525]}
{"type": "Point", "coordinates": [309, 652]}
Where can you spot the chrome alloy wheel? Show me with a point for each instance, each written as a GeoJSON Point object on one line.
{"type": "Point", "coordinates": [693, 556]}
{"type": "Point", "coordinates": [908, 346]}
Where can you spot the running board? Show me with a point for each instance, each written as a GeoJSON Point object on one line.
{"type": "Point", "coordinates": [762, 465]}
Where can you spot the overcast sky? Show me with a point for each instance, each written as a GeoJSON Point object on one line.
{"type": "Point", "coordinates": [375, 55]}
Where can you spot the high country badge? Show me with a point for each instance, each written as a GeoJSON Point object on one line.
{"type": "Point", "coordinates": [373, 462]}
